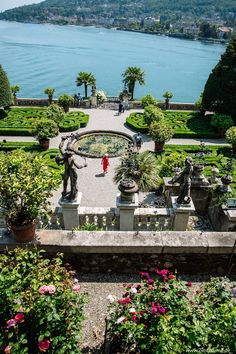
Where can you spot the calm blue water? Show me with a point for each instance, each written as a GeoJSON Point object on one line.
{"type": "Point", "coordinates": [37, 56]}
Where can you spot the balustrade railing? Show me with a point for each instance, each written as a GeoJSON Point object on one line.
{"type": "Point", "coordinates": [156, 219]}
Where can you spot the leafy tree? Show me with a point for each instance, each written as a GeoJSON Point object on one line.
{"type": "Point", "coordinates": [65, 101]}
{"type": "Point", "coordinates": [86, 79]}
{"type": "Point", "coordinates": [160, 132]}
{"type": "Point", "coordinates": [152, 114]}
{"type": "Point", "coordinates": [14, 90]}
{"type": "Point", "coordinates": [45, 129]}
{"type": "Point", "coordinates": [148, 100]}
{"type": "Point", "coordinates": [49, 91]}
{"type": "Point", "coordinates": [220, 90]}
{"type": "Point", "coordinates": [167, 95]}
{"type": "Point", "coordinates": [143, 171]}
{"type": "Point", "coordinates": [131, 75]}
{"type": "Point", "coordinates": [55, 112]}
{"type": "Point", "coordinates": [5, 89]}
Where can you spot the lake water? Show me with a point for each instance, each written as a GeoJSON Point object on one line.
{"type": "Point", "coordinates": [36, 56]}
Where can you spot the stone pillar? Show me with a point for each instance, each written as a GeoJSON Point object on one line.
{"type": "Point", "coordinates": [127, 209]}
{"type": "Point", "coordinates": [94, 102]}
{"type": "Point", "coordinates": [181, 214]}
{"type": "Point", "coordinates": [70, 212]}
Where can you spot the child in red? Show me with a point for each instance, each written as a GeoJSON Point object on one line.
{"type": "Point", "coordinates": [105, 163]}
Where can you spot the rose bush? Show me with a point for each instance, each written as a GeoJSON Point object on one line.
{"type": "Point", "coordinates": [160, 315]}
{"type": "Point", "coordinates": [41, 309]}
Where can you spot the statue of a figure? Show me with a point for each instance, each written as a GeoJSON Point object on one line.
{"type": "Point", "coordinates": [94, 91]}
{"type": "Point", "coordinates": [71, 166]}
{"type": "Point", "coordinates": [184, 178]}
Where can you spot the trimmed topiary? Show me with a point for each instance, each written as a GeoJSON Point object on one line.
{"type": "Point", "coordinates": [148, 100]}
{"type": "Point", "coordinates": [221, 121]}
{"type": "Point", "coordinates": [152, 114]}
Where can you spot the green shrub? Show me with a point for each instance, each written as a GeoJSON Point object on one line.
{"type": "Point", "coordinates": [170, 162]}
{"type": "Point", "coordinates": [65, 101]}
{"type": "Point", "coordinates": [160, 316]}
{"type": "Point", "coordinates": [152, 114]}
{"type": "Point", "coordinates": [55, 113]}
{"type": "Point", "coordinates": [45, 128]}
{"type": "Point", "coordinates": [148, 100]}
{"type": "Point", "coordinates": [5, 89]}
{"type": "Point", "coordinates": [73, 121]}
{"type": "Point", "coordinates": [221, 121]}
{"type": "Point", "coordinates": [160, 131]}
{"type": "Point", "coordinates": [41, 309]}
{"type": "Point", "coordinates": [231, 135]}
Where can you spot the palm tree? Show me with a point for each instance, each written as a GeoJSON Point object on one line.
{"type": "Point", "coordinates": [49, 91]}
{"type": "Point", "coordinates": [86, 79]}
{"type": "Point", "coordinates": [167, 95]}
{"type": "Point", "coordinates": [140, 167]}
{"type": "Point", "coordinates": [14, 90]}
{"type": "Point", "coordinates": [131, 75]}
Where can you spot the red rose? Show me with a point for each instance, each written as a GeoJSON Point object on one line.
{"type": "Point", "coordinates": [189, 284]}
{"type": "Point", "coordinates": [171, 277]}
{"type": "Point", "coordinates": [19, 317]}
{"type": "Point", "coordinates": [150, 281]}
{"type": "Point", "coordinates": [134, 318]}
{"type": "Point", "coordinates": [43, 345]}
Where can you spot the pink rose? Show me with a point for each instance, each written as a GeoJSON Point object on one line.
{"type": "Point", "coordinates": [43, 289]}
{"type": "Point", "coordinates": [19, 317]}
{"type": "Point", "coordinates": [43, 345]}
{"type": "Point", "coordinates": [11, 323]}
{"type": "Point", "coordinates": [51, 289]}
{"type": "Point", "coordinates": [7, 350]}
{"type": "Point", "coordinates": [76, 288]}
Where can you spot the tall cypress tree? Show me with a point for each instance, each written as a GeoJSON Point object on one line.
{"type": "Point", "coordinates": [5, 89]}
{"type": "Point", "coordinates": [220, 90]}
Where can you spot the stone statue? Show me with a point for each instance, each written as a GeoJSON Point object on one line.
{"type": "Point", "coordinates": [71, 166]}
{"type": "Point", "coordinates": [94, 91]}
{"type": "Point", "coordinates": [184, 178]}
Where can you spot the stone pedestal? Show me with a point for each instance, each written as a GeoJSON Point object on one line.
{"type": "Point", "coordinates": [94, 101]}
{"type": "Point", "coordinates": [70, 212]}
{"type": "Point", "coordinates": [126, 209]}
{"type": "Point", "coordinates": [181, 214]}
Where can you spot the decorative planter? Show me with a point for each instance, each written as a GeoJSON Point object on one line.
{"type": "Point", "coordinates": [226, 182]}
{"type": "Point", "coordinates": [25, 233]}
{"type": "Point", "coordinates": [127, 187]}
{"type": "Point", "coordinates": [44, 143]}
{"type": "Point", "coordinates": [159, 146]}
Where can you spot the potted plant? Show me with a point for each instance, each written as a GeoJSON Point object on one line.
{"type": "Point", "coordinates": [221, 122]}
{"type": "Point", "coordinates": [49, 91]}
{"type": "Point", "coordinates": [152, 113]}
{"type": "Point", "coordinates": [231, 137]}
{"type": "Point", "coordinates": [26, 183]}
{"type": "Point", "coordinates": [167, 95]}
{"type": "Point", "coordinates": [45, 129]}
{"type": "Point", "coordinates": [160, 132]}
{"type": "Point", "coordinates": [65, 101]}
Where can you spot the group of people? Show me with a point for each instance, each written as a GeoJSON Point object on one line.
{"type": "Point", "coordinates": [78, 99]}
{"type": "Point", "coordinates": [122, 106]}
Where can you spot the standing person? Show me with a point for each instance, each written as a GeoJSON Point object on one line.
{"type": "Point", "coordinates": [79, 99]}
{"type": "Point", "coordinates": [105, 163]}
{"type": "Point", "coordinates": [120, 110]}
{"type": "Point", "coordinates": [138, 141]}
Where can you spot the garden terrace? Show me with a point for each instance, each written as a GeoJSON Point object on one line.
{"type": "Point", "coordinates": [185, 124]}
{"type": "Point", "coordinates": [20, 121]}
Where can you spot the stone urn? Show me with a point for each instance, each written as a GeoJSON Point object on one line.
{"type": "Point", "coordinates": [226, 181]}
{"type": "Point", "coordinates": [128, 188]}
{"type": "Point", "coordinates": [198, 178]}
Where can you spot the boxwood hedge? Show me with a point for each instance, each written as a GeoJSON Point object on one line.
{"type": "Point", "coordinates": [20, 121]}
{"type": "Point", "coordinates": [185, 124]}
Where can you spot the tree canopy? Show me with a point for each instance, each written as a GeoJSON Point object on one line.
{"type": "Point", "coordinates": [5, 89]}
{"type": "Point", "coordinates": [219, 94]}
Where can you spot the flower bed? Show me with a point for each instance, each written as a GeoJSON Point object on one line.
{"type": "Point", "coordinates": [185, 124]}
{"type": "Point", "coordinates": [41, 308]}
{"type": "Point", "coordinates": [160, 316]}
{"type": "Point", "coordinates": [20, 121]}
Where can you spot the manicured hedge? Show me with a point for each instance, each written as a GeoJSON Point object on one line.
{"type": "Point", "coordinates": [20, 121]}
{"type": "Point", "coordinates": [185, 124]}
{"type": "Point", "coordinates": [26, 146]}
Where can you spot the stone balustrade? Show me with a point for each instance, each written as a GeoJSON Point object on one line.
{"type": "Point", "coordinates": [104, 218]}
{"type": "Point", "coordinates": [153, 219]}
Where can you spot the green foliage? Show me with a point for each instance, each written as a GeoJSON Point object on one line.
{"type": "Point", "coordinates": [170, 162]}
{"type": "Point", "coordinates": [168, 94]}
{"type": "Point", "coordinates": [130, 76]}
{"type": "Point", "coordinates": [5, 90]}
{"type": "Point", "coordinates": [26, 184]}
{"type": "Point", "coordinates": [221, 121]}
{"type": "Point", "coordinates": [160, 316]}
{"type": "Point", "coordinates": [230, 135]}
{"type": "Point", "coordinates": [148, 100]}
{"type": "Point", "coordinates": [141, 167]}
{"type": "Point", "coordinates": [42, 302]}
{"type": "Point", "coordinates": [160, 131]}
{"type": "Point", "coordinates": [45, 128]}
{"type": "Point", "coordinates": [86, 79]}
{"type": "Point", "coordinates": [198, 103]}
{"type": "Point", "coordinates": [49, 91]}
{"type": "Point", "coordinates": [55, 113]}
{"type": "Point", "coordinates": [88, 227]}
{"type": "Point", "coordinates": [220, 90]}
{"type": "Point", "coordinates": [65, 101]}
{"type": "Point", "coordinates": [185, 124]}
{"type": "Point", "coordinates": [21, 121]}
{"type": "Point", "coordinates": [152, 114]}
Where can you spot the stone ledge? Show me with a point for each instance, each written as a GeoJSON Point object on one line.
{"type": "Point", "coordinates": [122, 242]}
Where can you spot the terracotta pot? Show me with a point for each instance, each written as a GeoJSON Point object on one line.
{"type": "Point", "coordinates": [159, 146]}
{"type": "Point", "coordinates": [25, 233]}
{"type": "Point", "coordinates": [44, 143]}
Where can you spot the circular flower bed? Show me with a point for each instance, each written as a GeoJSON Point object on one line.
{"type": "Point", "coordinates": [97, 143]}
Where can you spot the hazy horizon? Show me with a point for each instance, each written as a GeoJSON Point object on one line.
{"type": "Point", "coordinates": [10, 4]}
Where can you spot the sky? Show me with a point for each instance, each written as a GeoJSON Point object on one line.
{"type": "Point", "coordinates": [9, 4]}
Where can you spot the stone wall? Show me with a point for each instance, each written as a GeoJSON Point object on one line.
{"type": "Point", "coordinates": [125, 252]}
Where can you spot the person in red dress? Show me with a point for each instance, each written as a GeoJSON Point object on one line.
{"type": "Point", "coordinates": [105, 163]}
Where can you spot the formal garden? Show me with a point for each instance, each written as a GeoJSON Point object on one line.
{"type": "Point", "coordinates": [45, 306]}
